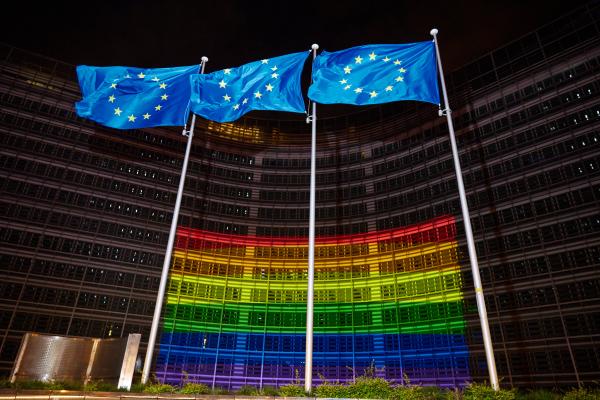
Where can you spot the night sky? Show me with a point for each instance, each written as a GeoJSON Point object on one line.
{"type": "Point", "coordinates": [231, 33]}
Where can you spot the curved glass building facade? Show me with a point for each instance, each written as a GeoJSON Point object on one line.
{"type": "Point", "coordinates": [389, 300]}
{"type": "Point", "coordinates": [85, 214]}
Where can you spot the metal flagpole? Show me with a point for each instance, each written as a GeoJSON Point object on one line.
{"type": "Point", "coordinates": [167, 262]}
{"type": "Point", "coordinates": [485, 328]}
{"type": "Point", "coordinates": [310, 293]}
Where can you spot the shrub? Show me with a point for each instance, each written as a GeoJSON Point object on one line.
{"type": "Point", "coordinates": [137, 387]}
{"type": "Point", "coordinates": [582, 394]}
{"type": "Point", "coordinates": [454, 394]}
{"type": "Point", "coordinates": [481, 391]}
{"type": "Point", "coordinates": [366, 387]}
{"type": "Point", "coordinates": [412, 392]}
{"type": "Point", "coordinates": [539, 395]}
{"type": "Point", "coordinates": [269, 391]}
{"type": "Point", "coordinates": [247, 390]}
{"type": "Point", "coordinates": [157, 388]}
{"type": "Point", "coordinates": [194, 388]}
{"type": "Point", "coordinates": [331, 390]}
{"type": "Point", "coordinates": [100, 386]}
{"type": "Point", "coordinates": [218, 390]}
{"type": "Point", "coordinates": [64, 385]}
{"type": "Point", "coordinates": [292, 391]}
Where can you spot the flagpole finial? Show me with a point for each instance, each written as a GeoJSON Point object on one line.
{"type": "Point", "coordinates": [433, 32]}
{"type": "Point", "coordinates": [314, 46]}
{"type": "Point", "coordinates": [204, 59]}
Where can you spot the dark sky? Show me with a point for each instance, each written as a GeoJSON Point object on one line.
{"type": "Point", "coordinates": [230, 33]}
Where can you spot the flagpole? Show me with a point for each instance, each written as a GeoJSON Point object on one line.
{"type": "Point", "coordinates": [310, 293]}
{"type": "Point", "coordinates": [485, 328]}
{"type": "Point", "coordinates": [167, 262]}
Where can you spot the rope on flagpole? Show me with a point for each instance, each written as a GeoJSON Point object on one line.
{"type": "Point", "coordinates": [169, 252]}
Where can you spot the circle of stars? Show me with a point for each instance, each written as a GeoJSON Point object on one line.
{"type": "Point", "coordinates": [271, 74]}
{"type": "Point", "coordinates": [117, 111]}
{"type": "Point", "coordinates": [363, 62]}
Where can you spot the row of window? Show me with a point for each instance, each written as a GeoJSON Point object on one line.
{"type": "Point", "coordinates": [502, 125]}
{"type": "Point", "coordinates": [78, 247]}
{"type": "Point", "coordinates": [547, 235]}
{"type": "Point", "coordinates": [499, 193]}
{"type": "Point", "coordinates": [83, 179]}
{"type": "Point", "coordinates": [287, 196]}
{"type": "Point", "coordinates": [347, 211]}
{"type": "Point", "coordinates": [48, 323]}
{"type": "Point", "coordinates": [582, 290]}
{"type": "Point", "coordinates": [576, 171]}
{"type": "Point", "coordinates": [37, 216]}
{"type": "Point", "coordinates": [321, 178]}
{"type": "Point", "coordinates": [290, 231]}
{"type": "Point", "coordinates": [42, 269]}
{"type": "Point", "coordinates": [528, 92]}
{"type": "Point", "coordinates": [72, 156]}
{"type": "Point", "coordinates": [113, 165]}
{"type": "Point", "coordinates": [428, 194]}
{"type": "Point", "coordinates": [537, 267]}
{"type": "Point", "coordinates": [329, 161]}
{"type": "Point", "coordinates": [413, 159]}
{"type": "Point", "coordinates": [50, 195]}
{"type": "Point", "coordinates": [539, 208]}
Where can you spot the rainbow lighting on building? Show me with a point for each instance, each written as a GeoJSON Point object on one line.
{"type": "Point", "coordinates": [236, 308]}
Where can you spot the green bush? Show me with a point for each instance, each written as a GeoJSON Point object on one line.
{"type": "Point", "coordinates": [157, 388]}
{"type": "Point", "coordinates": [247, 390]}
{"type": "Point", "coordinates": [64, 385]}
{"type": "Point", "coordinates": [366, 387]}
{"type": "Point", "coordinates": [540, 394]}
{"type": "Point", "coordinates": [35, 385]}
{"type": "Point", "coordinates": [454, 394]}
{"type": "Point", "coordinates": [331, 390]}
{"type": "Point", "coordinates": [413, 392]}
{"type": "Point", "coordinates": [269, 391]}
{"type": "Point", "coordinates": [218, 390]}
{"type": "Point", "coordinates": [137, 387]}
{"type": "Point", "coordinates": [6, 384]}
{"type": "Point", "coordinates": [481, 391]}
{"type": "Point", "coordinates": [194, 388]}
{"type": "Point", "coordinates": [101, 386]}
{"type": "Point", "coordinates": [292, 391]}
{"type": "Point", "coordinates": [582, 394]}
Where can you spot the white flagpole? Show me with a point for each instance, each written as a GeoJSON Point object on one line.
{"type": "Point", "coordinates": [310, 293]}
{"type": "Point", "coordinates": [485, 328]}
{"type": "Point", "coordinates": [167, 262]}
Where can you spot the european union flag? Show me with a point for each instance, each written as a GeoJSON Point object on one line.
{"type": "Point", "coordinates": [269, 84]}
{"type": "Point", "coordinates": [127, 97]}
{"type": "Point", "coordinates": [376, 74]}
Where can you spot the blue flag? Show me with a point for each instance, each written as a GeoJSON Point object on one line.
{"type": "Point", "coordinates": [127, 97]}
{"type": "Point", "coordinates": [269, 84]}
{"type": "Point", "coordinates": [375, 74]}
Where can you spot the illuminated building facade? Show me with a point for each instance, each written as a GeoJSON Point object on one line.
{"type": "Point", "coordinates": [85, 214]}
